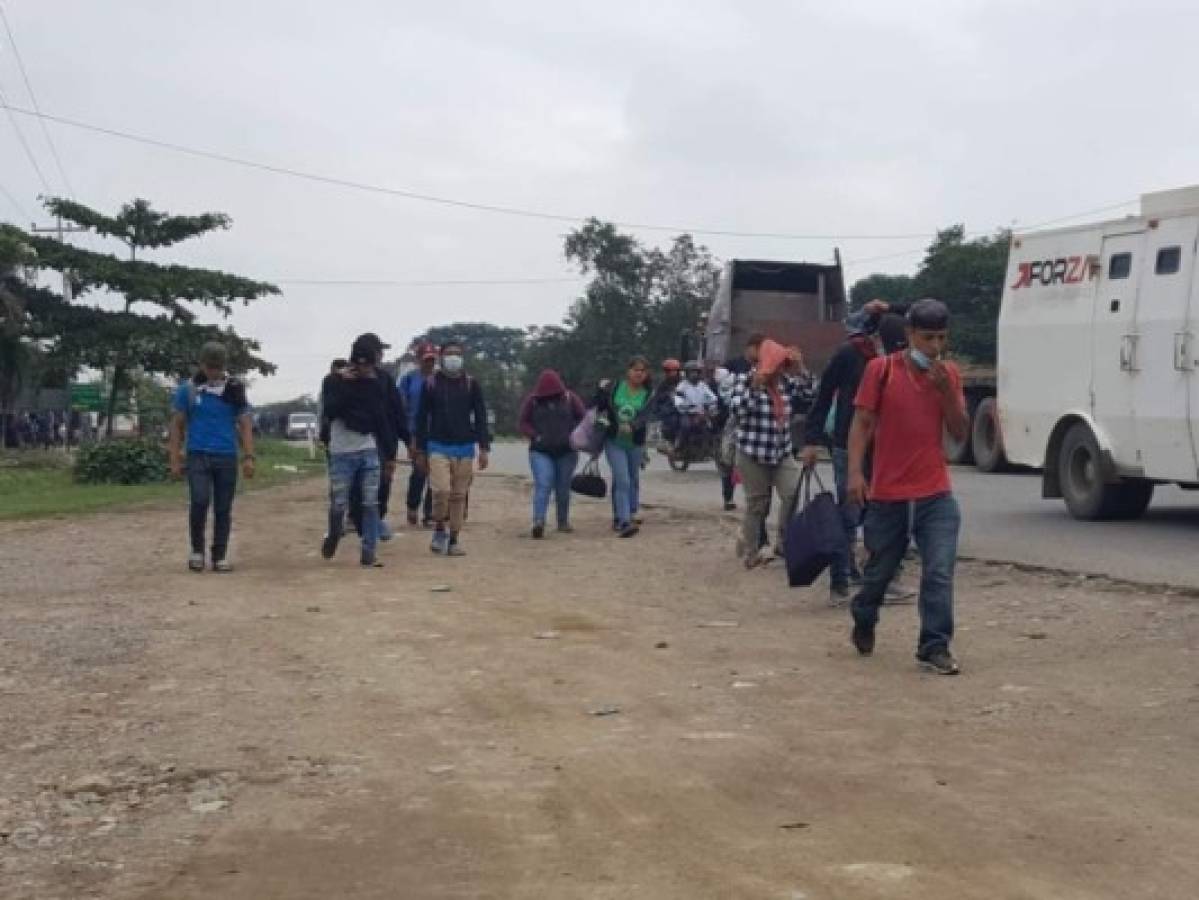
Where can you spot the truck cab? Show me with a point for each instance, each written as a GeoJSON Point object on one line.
{"type": "Point", "coordinates": [1097, 381]}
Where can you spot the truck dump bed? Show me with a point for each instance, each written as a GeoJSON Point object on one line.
{"type": "Point", "coordinates": [800, 304]}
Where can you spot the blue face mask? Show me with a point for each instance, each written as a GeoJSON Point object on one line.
{"type": "Point", "coordinates": [922, 360]}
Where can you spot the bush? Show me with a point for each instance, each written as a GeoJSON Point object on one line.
{"type": "Point", "coordinates": [121, 462]}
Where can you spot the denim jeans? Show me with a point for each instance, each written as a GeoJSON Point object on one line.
{"type": "Point", "coordinates": [211, 481]}
{"type": "Point", "coordinates": [552, 474]}
{"type": "Point", "coordinates": [625, 463]}
{"type": "Point", "coordinates": [344, 468]}
{"type": "Point", "coordinates": [845, 566]}
{"type": "Point", "coordinates": [934, 522]}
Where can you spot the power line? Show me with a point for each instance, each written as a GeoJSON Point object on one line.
{"type": "Point", "coordinates": [15, 205]}
{"type": "Point", "coordinates": [24, 143]}
{"type": "Point", "coordinates": [431, 198]}
{"type": "Point", "coordinates": [385, 282]}
{"type": "Point", "coordinates": [33, 99]}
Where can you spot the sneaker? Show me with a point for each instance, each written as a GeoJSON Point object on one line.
{"type": "Point", "coordinates": [939, 660]}
{"type": "Point", "coordinates": [538, 532]}
{"type": "Point", "coordinates": [838, 595]}
{"type": "Point", "coordinates": [566, 528]}
{"type": "Point", "coordinates": [441, 542]}
{"type": "Point", "coordinates": [453, 548]}
{"type": "Point", "coordinates": [629, 529]}
{"type": "Point", "coordinates": [730, 507]}
{"type": "Point", "coordinates": [195, 562]}
{"type": "Point", "coordinates": [370, 561]}
{"type": "Point", "coordinates": [863, 639]}
{"type": "Point", "coordinates": [384, 531]}
{"type": "Point", "coordinates": [222, 565]}
{"type": "Point", "coordinates": [413, 517]}
{"type": "Point", "coordinates": [329, 546]}
{"type": "Point", "coordinates": [895, 595]}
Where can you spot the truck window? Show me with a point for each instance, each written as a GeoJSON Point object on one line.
{"type": "Point", "coordinates": [1119, 266]}
{"type": "Point", "coordinates": [1169, 260]}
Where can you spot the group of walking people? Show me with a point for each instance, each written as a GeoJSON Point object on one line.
{"type": "Point", "coordinates": [882, 405]}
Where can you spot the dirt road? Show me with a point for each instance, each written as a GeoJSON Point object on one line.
{"type": "Point", "coordinates": [579, 718]}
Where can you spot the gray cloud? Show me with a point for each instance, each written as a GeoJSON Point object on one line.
{"type": "Point", "coordinates": [864, 116]}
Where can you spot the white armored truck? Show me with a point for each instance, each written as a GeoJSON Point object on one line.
{"type": "Point", "coordinates": [1098, 364]}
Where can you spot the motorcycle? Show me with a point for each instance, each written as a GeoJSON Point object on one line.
{"type": "Point", "coordinates": [696, 442]}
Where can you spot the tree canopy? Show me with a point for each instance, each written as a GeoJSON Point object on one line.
{"type": "Point", "coordinates": [967, 275]}
{"type": "Point", "coordinates": [156, 331]}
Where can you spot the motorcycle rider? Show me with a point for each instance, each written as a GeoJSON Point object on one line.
{"type": "Point", "coordinates": [696, 404]}
{"type": "Point", "coordinates": [662, 404]}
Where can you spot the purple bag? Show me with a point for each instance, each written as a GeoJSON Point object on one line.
{"type": "Point", "coordinates": [588, 437]}
{"type": "Point", "coordinates": [816, 534]}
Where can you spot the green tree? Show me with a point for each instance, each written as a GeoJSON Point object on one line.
{"type": "Point", "coordinates": [155, 332]}
{"type": "Point", "coordinates": [892, 288]}
{"type": "Point", "coordinates": [639, 300]}
{"type": "Point", "coordinates": [16, 349]}
{"type": "Point", "coordinates": [966, 274]}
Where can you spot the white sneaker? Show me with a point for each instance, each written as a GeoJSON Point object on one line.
{"type": "Point", "coordinates": [195, 562]}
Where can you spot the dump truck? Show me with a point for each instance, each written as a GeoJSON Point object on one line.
{"type": "Point", "coordinates": [796, 303]}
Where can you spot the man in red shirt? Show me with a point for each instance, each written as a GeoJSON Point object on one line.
{"type": "Point", "coordinates": [904, 403]}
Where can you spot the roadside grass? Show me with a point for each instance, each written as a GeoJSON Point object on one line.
{"type": "Point", "coordinates": [37, 485]}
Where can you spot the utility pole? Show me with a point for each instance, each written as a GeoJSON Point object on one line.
{"type": "Point", "coordinates": [61, 231]}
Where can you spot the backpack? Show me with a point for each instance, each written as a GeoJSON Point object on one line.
{"type": "Point", "coordinates": [553, 421]}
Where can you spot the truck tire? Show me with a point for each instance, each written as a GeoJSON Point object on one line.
{"type": "Point", "coordinates": [957, 453]}
{"type": "Point", "coordinates": [1087, 495]}
{"type": "Point", "coordinates": [986, 440]}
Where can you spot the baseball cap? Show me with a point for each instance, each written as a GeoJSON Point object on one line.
{"type": "Point", "coordinates": [367, 350]}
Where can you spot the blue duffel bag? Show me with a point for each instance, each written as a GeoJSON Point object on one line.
{"type": "Point", "coordinates": [815, 535]}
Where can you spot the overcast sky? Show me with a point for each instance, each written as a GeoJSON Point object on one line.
{"type": "Point", "coordinates": [815, 118]}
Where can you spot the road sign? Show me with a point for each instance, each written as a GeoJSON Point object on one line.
{"type": "Point", "coordinates": [87, 398]}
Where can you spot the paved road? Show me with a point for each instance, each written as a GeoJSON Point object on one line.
{"type": "Point", "coordinates": [1004, 519]}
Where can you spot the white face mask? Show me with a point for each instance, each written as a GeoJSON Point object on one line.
{"type": "Point", "coordinates": [451, 364]}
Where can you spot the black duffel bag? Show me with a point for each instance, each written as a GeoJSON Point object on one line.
{"type": "Point", "coordinates": [589, 482]}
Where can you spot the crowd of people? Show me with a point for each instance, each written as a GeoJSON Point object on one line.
{"type": "Point", "coordinates": [880, 410]}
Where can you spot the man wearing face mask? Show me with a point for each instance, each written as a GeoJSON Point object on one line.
{"type": "Point", "coordinates": [905, 402]}
{"type": "Point", "coordinates": [452, 429]}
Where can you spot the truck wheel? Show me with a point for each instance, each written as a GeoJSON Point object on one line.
{"type": "Point", "coordinates": [1087, 495]}
{"type": "Point", "coordinates": [957, 453]}
{"type": "Point", "coordinates": [986, 440]}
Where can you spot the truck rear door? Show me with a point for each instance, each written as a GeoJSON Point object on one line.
{"type": "Point", "coordinates": [1114, 344]}
{"type": "Point", "coordinates": [1163, 380]}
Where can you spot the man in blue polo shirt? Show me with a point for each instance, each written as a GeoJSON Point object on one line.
{"type": "Point", "coordinates": [211, 411]}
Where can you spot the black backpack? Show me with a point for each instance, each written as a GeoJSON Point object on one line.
{"type": "Point", "coordinates": [553, 421]}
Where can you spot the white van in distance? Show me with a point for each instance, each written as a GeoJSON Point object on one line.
{"type": "Point", "coordinates": [1097, 381]}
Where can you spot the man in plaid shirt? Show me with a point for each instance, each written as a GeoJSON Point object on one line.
{"type": "Point", "coordinates": [763, 402]}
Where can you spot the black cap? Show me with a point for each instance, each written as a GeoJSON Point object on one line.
{"type": "Point", "coordinates": [370, 338]}
{"type": "Point", "coordinates": [367, 350]}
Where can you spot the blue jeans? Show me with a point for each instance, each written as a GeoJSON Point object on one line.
{"type": "Point", "coordinates": [552, 475]}
{"type": "Point", "coordinates": [626, 481]}
{"type": "Point", "coordinates": [211, 481]}
{"type": "Point", "coordinates": [344, 468]}
{"type": "Point", "coordinates": [845, 565]}
{"type": "Point", "coordinates": [934, 522]}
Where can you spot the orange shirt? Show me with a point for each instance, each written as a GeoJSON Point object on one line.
{"type": "Point", "coordinates": [908, 460]}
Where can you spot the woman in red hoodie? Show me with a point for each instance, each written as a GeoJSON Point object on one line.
{"type": "Point", "coordinates": [547, 417]}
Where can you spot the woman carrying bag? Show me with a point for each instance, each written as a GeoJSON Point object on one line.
{"type": "Point", "coordinates": [624, 407]}
{"type": "Point", "coordinates": [547, 417]}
